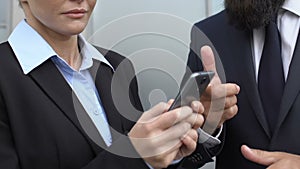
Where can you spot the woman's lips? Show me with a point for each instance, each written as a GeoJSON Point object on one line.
{"type": "Point", "coordinates": [75, 13]}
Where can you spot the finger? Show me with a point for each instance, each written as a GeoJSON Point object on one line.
{"type": "Point", "coordinates": [208, 59]}
{"type": "Point", "coordinates": [170, 102]}
{"type": "Point", "coordinates": [196, 120]}
{"type": "Point", "coordinates": [172, 117]}
{"type": "Point", "coordinates": [169, 139]}
{"type": "Point", "coordinates": [192, 134]}
{"type": "Point", "coordinates": [229, 113]}
{"type": "Point", "coordinates": [155, 111]}
{"type": "Point", "coordinates": [231, 89]}
{"type": "Point", "coordinates": [209, 64]}
{"type": "Point", "coordinates": [160, 143]}
{"type": "Point", "coordinates": [229, 107]}
{"type": "Point", "coordinates": [197, 107]}
{"type": "Point", "coordinates": [230, 101]}
{"type": "Point", "coordinates": [218, 104]}
{"type": "Point", "coordinates": [168, 147]}
{"type": "Point", "coordinates": [221, 91]}
{"type": "Point", "coordinates": [223, 104]}
{"type": "Point", "coordinates": [189, 142]}
{"type": "Point", "coordinates": [215, 116]}
{"type": "Point", "coordinates": [176, 132]}
{"type": "Point", "coordinates": [259, 156]}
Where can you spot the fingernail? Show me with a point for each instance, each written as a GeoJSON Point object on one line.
{"type": "Point", "coordinates": [195, 105]}
{"type": "Point", "coordinates": [247, 148]}
{"type": "Point", "coordinates": [238, 88]}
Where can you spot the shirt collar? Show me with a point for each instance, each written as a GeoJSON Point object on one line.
{"type": "Point", "coordinates": [32, 50]}
{"type": "Point", "coordinates": [292, 6]}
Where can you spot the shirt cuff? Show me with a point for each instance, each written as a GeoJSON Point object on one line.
{"type": "Point", "coordinates": [149, 165]}
{"type": "Point", "coordinates": [208, 139]}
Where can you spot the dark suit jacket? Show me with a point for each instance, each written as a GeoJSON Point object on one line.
{"type": "Point", "coordinates": [43, 126]}
{"type": "Point", "coordinates": [249, 126]}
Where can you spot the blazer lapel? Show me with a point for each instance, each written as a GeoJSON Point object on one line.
{"type": "Point", "coordinates": [50, 80]}
{"type": "Point", "coordinates": [292, 86]}
{"type": "Point", "coordinates": [247, 74]}
{"type": "Point", "coordinates": [103, 83]}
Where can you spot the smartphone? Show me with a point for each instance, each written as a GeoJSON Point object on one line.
{"type": "Point", "coordinates": [192, 89]}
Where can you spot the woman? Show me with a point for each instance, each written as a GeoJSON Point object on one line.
{"type": "Point", "coordinates": [53, 114]}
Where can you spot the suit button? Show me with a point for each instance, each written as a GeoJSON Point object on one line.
{"type": "Point", "coordinates": [198, 157]}
{"type": "Point", "coordinates": [195, 158]}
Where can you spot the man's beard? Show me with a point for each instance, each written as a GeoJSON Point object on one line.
{"type": "Point", "coordinates": [249, 14]}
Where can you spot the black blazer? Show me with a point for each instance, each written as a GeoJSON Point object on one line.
{"type": "Point", "coordinates": [249, 126]}
{"type": "Point", "coordinates": [43, 126]}
{"type": "Point", "coordinates": [39, 127]}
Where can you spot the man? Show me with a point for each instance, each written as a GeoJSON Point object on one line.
{"type": "Point", "coordinates": [239, 35]}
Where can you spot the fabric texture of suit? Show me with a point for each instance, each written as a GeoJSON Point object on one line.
{"type": "Point", "coordinates": [43, 126]}
{"type": "Point", "coordinates": [234, 53]}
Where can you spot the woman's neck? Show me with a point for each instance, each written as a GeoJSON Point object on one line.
{"type": "Point", "coordinates": [67, 49]}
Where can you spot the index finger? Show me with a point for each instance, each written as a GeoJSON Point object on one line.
{"type": "Point", "coordinates": [222, 90]}
{"type": "Point", "coordinates": [259, 156]}
{"type": "Point", "coordinates": [170, 118]}
{"type": "Point", "coordinates": [209, 64]}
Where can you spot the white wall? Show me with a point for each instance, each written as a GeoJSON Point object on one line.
{"type": "Point", "coordinates": [17, 13]}
{"type": "Point", "coordinates": [10, 15]}
{"type": "Point", "coordinates": [123, 16]}
{"type": "Point", "coordinates": [5, 19]}
{"type": "Point", "coordinates": [154, 34]}
{"type": "Point", "coordinates": [215, 6]}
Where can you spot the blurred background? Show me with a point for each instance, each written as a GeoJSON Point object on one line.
{"type": "Point", "coordinates": [154, 34]}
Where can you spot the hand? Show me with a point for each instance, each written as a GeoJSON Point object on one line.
{"type": "Point", "coordinates": [219, 99]}
{"type": "Point", "coordinates": [273, 160]}
{"type": "Point", "coordinates": [160, 136]}
{"type": "Point", "coordinates": [189, 142]}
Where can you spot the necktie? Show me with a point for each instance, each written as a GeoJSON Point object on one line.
{"type": "Point", "coordinates": [270, 76]}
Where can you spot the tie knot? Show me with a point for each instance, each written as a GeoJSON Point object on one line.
{"type": "Point", "coordinates": [271, 29]}
{"type": "Point", "coordinates": [273, 19]}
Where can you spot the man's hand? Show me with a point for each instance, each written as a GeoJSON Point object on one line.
{"type": "Point", "coordinates": [219, 99]}
{"type": "Point", "coordinates": [161, 137]}
{"type": "Point", "coordinates": [273, 160]}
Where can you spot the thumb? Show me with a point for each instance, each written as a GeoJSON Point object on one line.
{"type": "Point", "coordinates": [259, 156]}
{"type": "Point", "coordinates": [209, 64]}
